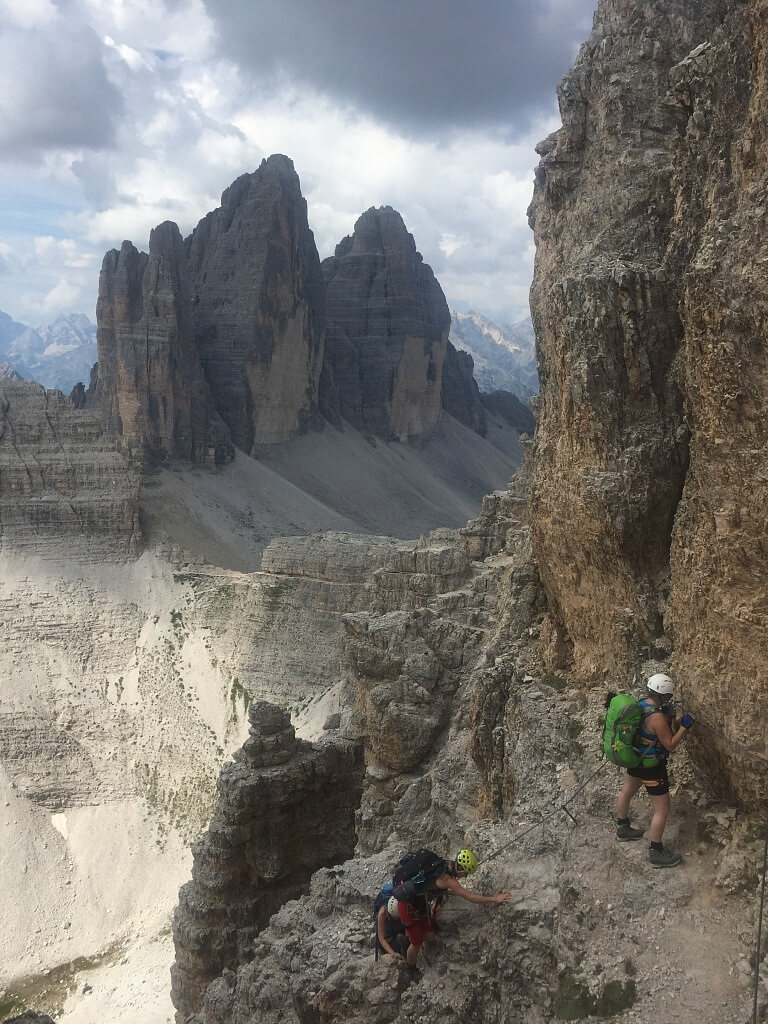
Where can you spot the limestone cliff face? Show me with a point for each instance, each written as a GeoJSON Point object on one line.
{"type": "Point", "coordinates": [649, 303]}
{"type": "Point", "coordinates": [258, 305]}
{"type": "Point", "coordinates": [387, 330]}
{"type": "Point", "coordinates": [151, 386]}
{"type": "Point", "coordinates": [64, 487]}
{"type": "Point", "coordinates": [216, 339]}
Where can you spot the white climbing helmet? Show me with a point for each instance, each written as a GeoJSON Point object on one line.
{"type": "Point", "coordinates": [392, 908]}
{"type": "Point", "coordinates": [661, 683]}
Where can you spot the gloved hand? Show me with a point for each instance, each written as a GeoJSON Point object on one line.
{"type": "Point", "coordinates": [686, 721]}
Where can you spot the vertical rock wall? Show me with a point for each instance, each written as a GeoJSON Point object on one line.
{"type": "Point", "coordinates": [612, 449]}
{"type": "Point", "coordinates": [151, 386]}
{"type": "Point", "coordinates": [650, 305]}
{"type": "Point", "coordinates": [286, 808]}
{"type": "Point", "coordinates": [387, 329]}
{"type": "Point", "coordinates": [719, 559]}
{"type": "Point", "coordinates": [258, 306]}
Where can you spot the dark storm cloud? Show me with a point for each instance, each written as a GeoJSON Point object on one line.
{"type": "Point", "coordinates": [55, 92]}
{"type": "Point", "coordinates": [416, 64]}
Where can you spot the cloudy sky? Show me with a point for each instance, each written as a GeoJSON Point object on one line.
{"type": "Point", "coordinates": [118, 114]}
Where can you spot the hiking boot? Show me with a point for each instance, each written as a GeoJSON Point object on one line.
{"type": "Point", "coordinates": [663, 858]}
{"type": "Point", "coordinates": [625, 833]}
{"type": "Point", "coordinates": [413, 974]}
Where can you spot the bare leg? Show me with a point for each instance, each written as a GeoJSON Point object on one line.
{"type": "Point", "coordinates": [660, 805]}
{"type": "Point", "coordinates": [628, 790]}
{"type": "Point", "coordinates": [412, 955]}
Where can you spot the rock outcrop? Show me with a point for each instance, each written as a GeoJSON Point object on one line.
{"type": "Point", "coordinates": [217, 339]}
{"type": "Point", "coordinates": [461, 397]}
{"type": "Point", "coordinates": [64, 487]}
{"type": "Point", "coordinates": [649, 303]}
{"type": "Point", "coordinates": [286, 808]}
{"type": "Point", "coordinates": [151, 388]}
{"type": "Point", "coordinates": [386, 332]}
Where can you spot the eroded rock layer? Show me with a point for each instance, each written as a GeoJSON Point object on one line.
{"type": "Point", "coordinates": [387, 330]}
{"type": "Point", "coordinates": [285, 809]}
{"type": "Point", "coordinates": [64, 487]}
{"type": "Point", "coordinates": [649, 303]}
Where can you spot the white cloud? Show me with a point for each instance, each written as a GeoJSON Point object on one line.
{"type": "Point", "coordinates": [28, 13]}
{"type": "Point", "coordinates": [185, 122]}
{"type": "Point", "coordinates": [61, 298]}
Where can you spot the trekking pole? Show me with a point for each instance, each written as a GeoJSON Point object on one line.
{"type": "Point", "coordinates": [760, 927]}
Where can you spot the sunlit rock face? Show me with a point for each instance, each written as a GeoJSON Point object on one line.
{"type": "Point", "coordinates": [387, 329]}
{"type": "Point", "coordinates": [215, 340]}
{"type": "Point", "coordinates": [649, 302]}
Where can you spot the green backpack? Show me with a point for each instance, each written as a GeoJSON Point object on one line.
{"type": "Point", "coordinates": [622, 720]}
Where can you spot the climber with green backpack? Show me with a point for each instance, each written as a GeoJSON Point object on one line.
{"type": "Point", "coordinates": [639, 736]}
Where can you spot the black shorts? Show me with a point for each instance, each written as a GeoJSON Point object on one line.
{"type": "Point", "coordinates": [656, 779]}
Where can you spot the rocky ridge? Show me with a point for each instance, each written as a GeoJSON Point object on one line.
{"type": "Point", "coordinates": [647, 480]}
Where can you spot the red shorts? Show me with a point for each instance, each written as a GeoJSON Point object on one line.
{"type": "Point", "coordinates": [416, 928]}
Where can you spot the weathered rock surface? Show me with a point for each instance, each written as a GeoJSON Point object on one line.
{"type": "Point", "coordinates": [258, 306]}
{"type": "Point", "coordinates": [459, 719]}
{"type": "Point", "coordinates": [216, 339]}
{"type": "Point", "coordinates": [386, 330]}
{"type": "Point", "coordinates": [64, 487]}
{"type": "Point", "coordinates": [285, 809]}
{"type": "Point", "coordinates": [650, 308]}
{"type": "Point", "coordinates": [461, 397]}
{"type": "Point", "coordinates": [151, 388]}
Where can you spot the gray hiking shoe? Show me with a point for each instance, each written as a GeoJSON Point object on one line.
{"type": "Point", "coordinates": [625, 833]}
{"type": "Point", "coordinates": [664, 858]}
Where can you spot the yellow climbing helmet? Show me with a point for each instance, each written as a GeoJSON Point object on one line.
{"type": "Point", "coordinates": [467, 860]}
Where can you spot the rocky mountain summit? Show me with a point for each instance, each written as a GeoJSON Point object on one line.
{"type": "Point", "coordinates": [387, 330]}
{"type": "Point", "coordinates": [7, 372]}
{"type": "Point", "coordinates": [235, 337]}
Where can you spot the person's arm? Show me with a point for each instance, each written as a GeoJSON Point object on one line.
{"type": "Point", "coordinates": [664, 735]}
{"type": "Point", "coordinates": [454, 886]}
{"type": "Point", "coordinates": [381, 932]}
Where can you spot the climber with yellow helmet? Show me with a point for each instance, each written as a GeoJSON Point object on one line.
{"type": "Point", "coordinates": [420, 894]}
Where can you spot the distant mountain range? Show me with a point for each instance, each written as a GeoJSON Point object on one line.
{"type": "Point", "coordinates": [57, 355]}
{"type": "Point", "coordinates": [60, 354]}
{"type": "Point", "coordinates": [504, 355]}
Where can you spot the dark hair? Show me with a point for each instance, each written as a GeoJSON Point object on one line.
{"type": "Point", "coordinates": [609, 697]}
